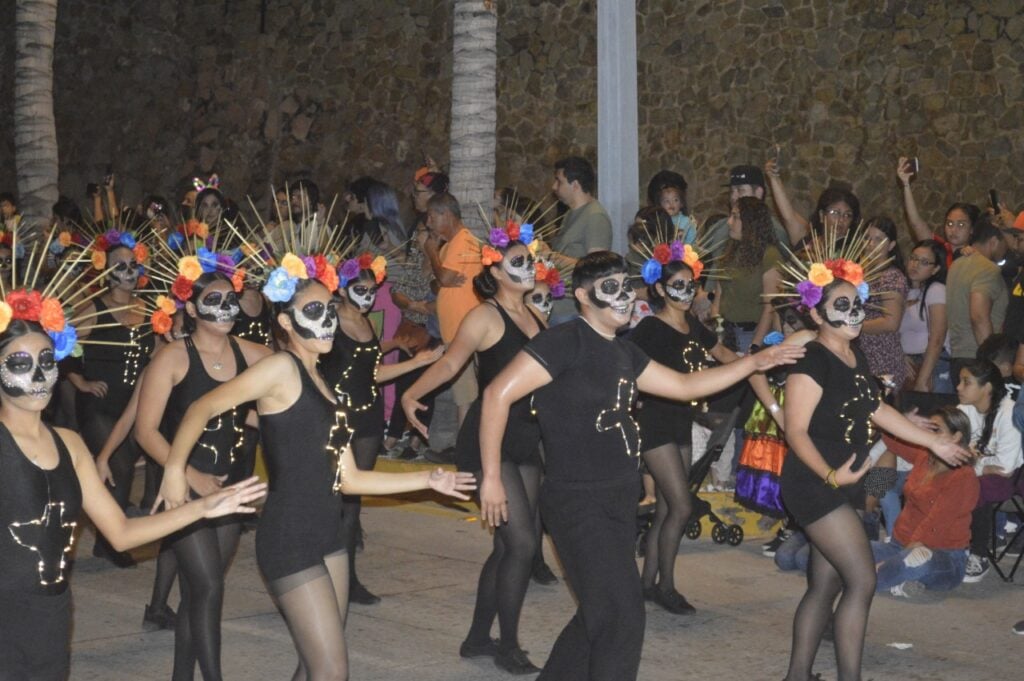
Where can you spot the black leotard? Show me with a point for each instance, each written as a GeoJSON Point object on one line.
{"type": "Point", "coordinates": [116, 365]}
{"type": "Point", "coordinates": [38, 511]}
{"type": "Point", "coordinates": [222, 436]}
{"type": "Point", "coordinates": [253, 328]}
{"type": "Point", "coordinates": [351, 370]}
{"type": "Point", "coordinates": [301, 520]}
{"type": "Point", "coordinates": [522, 434]}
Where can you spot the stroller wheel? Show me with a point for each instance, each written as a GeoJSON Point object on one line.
{"type": "Point", "coordinates": [720, 533]}
{"type": "Point", "coordinates": [735, 537]}
{"type": "Point", "coordinates": [693, 529]}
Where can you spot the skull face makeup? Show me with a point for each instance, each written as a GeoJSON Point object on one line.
{"type": "Point", "coordinates": [681, 290]}
{"type": "Point", "coordinates": [125, 273]}
{"type": "Point", "coordinates": [218, 306]}
{"type": "Point", "coordinates": [22, 375]}
{"type": "Point", "coordinates": [541, 301]}
{"type": "Point", "coordinates": [844, 312]}
{"type": "Point", "coordinates": [613, 293]}
{"type": "Point", "coordinates": [519, 268]}
{"type": "Point", "coordinates": [361, 295]}
{"type": "Point", "coordinates": [315, 320]}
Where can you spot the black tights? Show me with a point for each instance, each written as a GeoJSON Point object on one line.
{"type": "Point", "coordinates": [669, 464]}
{"type": "Point", "coordinates": [364, 449]}
{"type": "Point", "coordinates": [314, 603]}
{"type": "Point", "coordinates": [203, 554]}
{"type": "Point", "coordinates": [840, 562]}
{"type": "Point", "coordinates": [506, 573]}
{"type": "Point", "coordinates": [95, 431]}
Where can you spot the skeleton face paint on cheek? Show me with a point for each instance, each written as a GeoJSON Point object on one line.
{"type": "Point", "coordinates": [362, 296]}
{"type": "Point", "coordinates": [542, 301]}
{"type": "Point", "coordinates": [681, 290]}
{"type": "Point", "coordinates": [315, 320]}
{"type": "Point", "coordinates": [520, 269]}
{"type": "Point", "coordinates": [843, 312]}
{"type": "Point", "coordinates": [21, 375]}
{"type": "Point", "coordinates": [614, 293]}
{"type": "Point", "coordinates": [218, 306]}
{"type": "Point", "coordinates": [125, 273]}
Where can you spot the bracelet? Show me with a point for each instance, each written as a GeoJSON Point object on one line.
{"type": "Point", "coordinates": [830, 478]}
{"type": "Point", "coordinates": [774, 407]}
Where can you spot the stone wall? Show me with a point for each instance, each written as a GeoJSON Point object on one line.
{"type": "Point", "coordinates": [333, 89]}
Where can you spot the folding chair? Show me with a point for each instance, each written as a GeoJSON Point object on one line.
{"type": "Point", "coordinates": [1013, 505]}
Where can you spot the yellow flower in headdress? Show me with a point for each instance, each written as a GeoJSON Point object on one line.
{"type": "Point", "coordinates": [5, 315]}
{"type": "Point", "coordinates": [99, 260]}
{"type": "Point", "coordinates": [819, 275]}
{"type": "Point", "coordinates": [379, 267]}
{"type": "Point", "coordinates": [294, 266]}
{"type": "Point", "coordinates": [190, 268]}
{"type": "Point", "coordinates": [166, 304]}
{"type": "Point", "coordinates": [64, 239]}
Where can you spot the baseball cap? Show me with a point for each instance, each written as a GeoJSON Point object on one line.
{"type": "Point", "coordinates": [739, 175]}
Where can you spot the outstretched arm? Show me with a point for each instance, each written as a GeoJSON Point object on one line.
{"type": "Point", "coordinates": [918, 227]}
{"type": "Point", "coordinates": [896, 424]}
{"type": "Point", "coordinates": [795, 224]}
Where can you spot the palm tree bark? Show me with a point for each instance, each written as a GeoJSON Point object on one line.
{"type": "Point", "coordinates": [35, 133]}
{"type": "Point", "coordinates": [474, 108]}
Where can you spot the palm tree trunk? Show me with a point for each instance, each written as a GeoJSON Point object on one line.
{"type": "Point", "coordinates": [35, 133]}
{"type": "Point", "coordinates": [474, 108]}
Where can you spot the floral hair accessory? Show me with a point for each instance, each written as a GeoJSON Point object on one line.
{"type": "Point", "coordinates": [773, 338]}
{"type": "Point", "coordinates": [828, 259]}
{"type": "Point", "coordinates": [489, 256]}
{"type": "Point", "coordinates": [67, 239]}
{"type": "Point", "coordinates": [350, 268]}
{"type": "Point", "coordinates": [664, 253]}
{"type": "Point", "coordinates": [547, 272]}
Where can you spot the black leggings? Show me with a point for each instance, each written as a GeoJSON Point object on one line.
{"type": "Point", "coordinates": [840, 562]}
{"type": "Point", "coordinates": [669, 464]}
{"type": "Point", "coordinates": [96, 428]}
{"type": "Point", "coordinates": [364, 449]}
{"type": "Point", "coordinates": [398, 423]}
{"type": "Point", "coordinates": [203, 553]}
{"type": "Point", "coordinates": [506, 572]}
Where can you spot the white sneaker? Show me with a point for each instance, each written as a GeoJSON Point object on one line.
{"type": "Point", "coordinates": [977, 568]}
{"type": "Point", "coordinates": [907, 589]}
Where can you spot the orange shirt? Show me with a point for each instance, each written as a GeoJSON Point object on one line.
{"type": "Point", "coordinates": [461, 254]}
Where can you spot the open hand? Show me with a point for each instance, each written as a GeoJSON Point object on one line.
{"type": "Point", "coordinates": [410, 407]}
{"type": "Point", "coordinates": [845, 475]}
{"type": "Point", "coordinates": [234, 499]}
{"type": "Point", "coordinates": [451, 483]}
{"type": "Point", "coordinates": [97, 388]}
{"type": "Point", "coordinates": [952, 453]}
{"type": "Point", "coordinates": [103, 468]}
{"type": "Point", "coordinates": [429, 355]}
{"type": "Point", "coordinates": [904, 170]}
{"type": "Point", "coordinates": [173, 490]}
{"type": "Point", "coordinates": [493, 503]}
{"type": "Point", "coordinates": [204, 484]}
{"type": "Point", "coordinates": [777, 355]}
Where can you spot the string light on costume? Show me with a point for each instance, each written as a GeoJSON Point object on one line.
{"type": "Point", "coordinates": [132, 356]}
{"type": "Point", "coordinates": [619, 417]}
{"type": "Point", "coordinates": [343, 380]}
{"type": "Point", "coordinates": [336, 447]}
{"type": "Point", "coordinates": [46, 535]}
{"type": "Point", "coordinates": [695, 358]}
{"type": "Point", "coordinates": [217, 426]}
{"type": "Point", "coordinates": [864, 394]}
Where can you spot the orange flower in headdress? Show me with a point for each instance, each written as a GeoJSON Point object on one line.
{"type": "Point", "coordinates": [489, 256]}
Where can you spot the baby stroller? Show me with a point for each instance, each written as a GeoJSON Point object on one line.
{"type": "Point", "coordinates": [721, 426]}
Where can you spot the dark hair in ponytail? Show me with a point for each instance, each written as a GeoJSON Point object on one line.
{"type": "Point", "coordinates": [986, 372]}
{"type": "Point", "coordinates": [485, 284]}
{"type": "Point", "coordinates": [668, 270]}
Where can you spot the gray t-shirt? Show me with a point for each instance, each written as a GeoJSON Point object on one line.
{"type": "Point", "coordinates": [972, 273]}
{"type": "Point", "coordinates": [584, 229]}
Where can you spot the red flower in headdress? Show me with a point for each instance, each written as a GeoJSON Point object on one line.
{"type": "Point", "coordinates": [663, 253]}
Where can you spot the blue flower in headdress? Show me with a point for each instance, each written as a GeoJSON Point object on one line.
{"type": "Point", "coordinates": [526, 233]}
{"type": "Point", "coordinates": [773, 338]}
{"type": "Point", "coordinates": [127, 240]}
{"type": "Point", "coordinates": [175, 240]}
{"type": "Point", "coordinates": [280, 287]}
{"type": "Point", "coordinates": [64, 342]}
{"type": "Point", "coordinates": [651, 271]}
{"type": "Point", "coordinates": [207, 259]}
{"type": "Point", "coordinates": [863, 292]}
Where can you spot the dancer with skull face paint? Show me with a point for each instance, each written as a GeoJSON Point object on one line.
{"type": "Point", "coordinates": [47, 477]}
{"type": "Point", "coordinates": [353, 370]}
{"type": "Point", "coordinates": [300, 547]}
{"type": "Point", "coordinates": [105, 375]}
{"type": "Point", "coordinates": [496, 331]}
{"type": "Point", "coordinates": [179, 374]}
{"type": "Point", "coordinates": [584, 379]}
{"type": "Point", "coordinates": [832, 405]}
{"type": "Point", "coordinates": [674, 337]}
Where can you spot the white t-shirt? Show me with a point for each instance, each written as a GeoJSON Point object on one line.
{"type": "Point", "coordinates": [914, 329]}
{"type": "Point", "coordinates": [1004, 446]}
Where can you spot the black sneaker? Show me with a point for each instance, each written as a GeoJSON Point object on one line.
{"type": "Point", "coordinates": [444, 457]}
{"type": "Point", "coordinates": [158, 618]}
{"type": "Point", "coordinates": [357, 593]}
{"type": "Point", "coordinates": [408, 454]}
{"type": "Point", "coordinates": [674, 602]}
{"type": "Point", "coordinates": [470, 649]}
{"type": "Point", "coordinates": [542, 574]}
{"type": "Point", "coordinates": [515, 661]}
{"type": "Point", "coordinates": [977, 568]}
{"type": "Point", "coordinates": [1018, 628]}
{"type": "Point", "coordinates": [769, 548]}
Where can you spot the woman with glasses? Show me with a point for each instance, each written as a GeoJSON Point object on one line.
{"type": "Point", "coordinates": [957, 225]}
{"type": "Point", "coordinates": [880, 335]}
{"type": "Point", "coordinates": [923, 328]}
{"type": "Point", "coordinates": [837, 208]}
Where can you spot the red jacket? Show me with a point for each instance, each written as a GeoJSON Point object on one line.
{"type": "Point", "coordinates": [937, 511]}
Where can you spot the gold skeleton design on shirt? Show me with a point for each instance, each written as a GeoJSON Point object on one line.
{"type": "Point", "coordinates": [618, 417]}
{"type": "Point", "coordinates": [32, 533]}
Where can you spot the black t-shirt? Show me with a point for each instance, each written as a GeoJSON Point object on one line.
{"type": "Point", "coordinates": [684, 352]}
{"type": "Point", "coordinates": [849, 396]}
{"type": "Point", "coordinates": [1013, 326]}
{"type": "Point", "coordinates": [584, 413]}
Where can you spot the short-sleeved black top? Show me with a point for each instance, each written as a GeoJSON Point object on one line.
{"type": "Point", "coordinates": [584, 413]}
{"type": "Point", "coordinates": [684, 352]}
{"type": "Point", "coordinates": [849, 396]}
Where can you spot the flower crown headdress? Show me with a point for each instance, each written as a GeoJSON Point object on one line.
{"type": "Point", "coordinates": [528, 228]}
{"type": "Point", "coordinates": [664, 245]}
{"type": "Point", "coordinates": [66, 239]}
{"type": "Point", "coordinates": [7, 238]}
{"type": "Point", "coordinates": [119, 233]}
{"type": "Point", "coordinates": [55, 306]}
{"type": "Point", "coordinates": [828, 258]}
{"type": "Point", "coordinates": [552, 275]}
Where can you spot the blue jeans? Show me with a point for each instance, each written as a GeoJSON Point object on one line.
{"type": "Point", "coordinates": [942, 380]}
{"type": "Point", "coordinates": [891, 504]}
{"type": "Point", "coordinates": [944, 571]}
{"type": "Point", "coordinates": [794, 553]}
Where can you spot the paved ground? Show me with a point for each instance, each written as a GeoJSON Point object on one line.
{"type": "Point", "coordinates": [423, 559]}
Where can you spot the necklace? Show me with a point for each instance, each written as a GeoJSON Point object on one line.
{"type": "Point", "coordinates": [217, 363]}
{"type": "Point", "coordinates": [599, 333]}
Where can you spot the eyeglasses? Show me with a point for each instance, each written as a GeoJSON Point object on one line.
{"type": "Point", "coordinates": [839, 214]}
{"type": "Point", "coordinates": [959, 224]}
{"type": "Point", "coordinates": [920, 261]}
